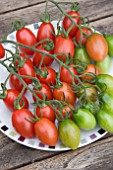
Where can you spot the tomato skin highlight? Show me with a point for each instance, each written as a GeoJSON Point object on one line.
{"type": "Point", "coordinates": [2, 51]}
{"type": "Point", "coordinates": [97, 47]}
{"type": "Point", "coordinates": [26, 37]}
{"type": "Point", "coordinates": [46, 30]}
{"type": "Point", "coordinates": [46, 131]}
{"type": "Point", "coordinates": [22, 123]}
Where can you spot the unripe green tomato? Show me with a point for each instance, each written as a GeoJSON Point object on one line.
{"type": "Point", "coordinates": [107, 101]}
{"type": "Point", "coordinates": [109, 39]}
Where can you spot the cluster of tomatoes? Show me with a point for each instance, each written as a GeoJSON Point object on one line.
{"type": "Point", "coordinates": [56, 93]}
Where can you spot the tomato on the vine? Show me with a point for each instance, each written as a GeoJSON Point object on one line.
{"type": "Point", "coordinates": [2, 51]}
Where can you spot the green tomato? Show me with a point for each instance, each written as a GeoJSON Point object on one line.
{"type": "Point", "coordinates": [69, 133]}
{"type": "Point", "coordinates": [104, 65]}
{"type": "Point", "coordinates": [109, 39]}
{"type": "Point", "coordinates": [105, 120]}
{"type": "Point", "coordinates": [105, 81]}
{"type": "Point", "coordinates": [92, 107]}
{"type": "Point", "coordinates": [107, 101]}
{"type": "Point", "coordinates": [82, 55]}
{"type": "Point", "coordinates": [84, 119]}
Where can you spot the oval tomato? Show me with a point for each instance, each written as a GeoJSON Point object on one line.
{"type": "Point", "coordinates": [64, 93]}
{"type": "Point", "coordinates": [22, 123]}
{"type": "Point", "coordinates": [2, 51]}
{"type": "Point", "coordinates": [25, 36]}
{"type": "Point", "coordinates": [11, 96]}
{"type": "Point", "coordinates": [46, 131]}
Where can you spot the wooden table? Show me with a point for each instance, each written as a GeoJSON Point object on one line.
{"type": "Point", "coordinates": [98, 155]}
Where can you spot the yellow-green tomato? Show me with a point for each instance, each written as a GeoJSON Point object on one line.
{"type": "Point", "coordinates": [84, 119]}
{"type": "Point", "coordinates": [69, 133]}
{"type": "Point", "coordinates": [105, 64]}
{"type": "Point", "coordinates": [109, 39]}
{"type": "Point", "coordinates": [105, 120]}
{"type": "Point", "coordinates": [107, 101]}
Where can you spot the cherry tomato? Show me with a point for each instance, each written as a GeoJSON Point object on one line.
{"type": "Point", "coordinates": [11, 96]}
{"type": "Point", "coordinates": [47, 112]}
{"type": "Point", "coordinates": [64, 46]}
{"type": "Point", "coordinates": [109, 39]}
{"type": "Point", "coordinates": [22, 123]}
{"type": "Point", "coordinates": [37, 57]}
{"type": "Point", "coordinates": [2, 51]}
{"type": "Point", "coordinates": [46, 30]}
{"type": "Point", "coordinates": [26, 37]}
{"type": "Point", "coordinates": [46, 131]}
{"type": "Point", "coordinates": [84, 38]}
{"type": "Point", "coordinates": [97, 47]}
{"type": "Point", "coordinates": [50, 78]}
{"type": "Point", "coordinates": [67, 22]}
{"type": "Point", "coordinates": [91, 68]}
{"type": "Point", "coordinates": [44, 90]}
{"type": "Point", "coordinates": [65, 75]}
{"type": "Point", "coordinates": [64, 93]}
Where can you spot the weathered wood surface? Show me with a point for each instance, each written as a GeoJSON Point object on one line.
{"type": "Point", "coordinates": [94, 156]}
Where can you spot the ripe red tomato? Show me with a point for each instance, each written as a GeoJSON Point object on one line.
{"type": "Point", "coordinates": [22, 123]}
{"type": "Point", "coordinates": [37, 57]}
{"type": "Point", "coordinates": [11, 96]}
{"type": "Point", "coordinates": [47, 112]}
{"type": "Point", "coordinates": [65, 75]}
{"type": "Point", "coordinates": [64, 46]}
{"type": "Point", "coordinates": [46, 131]}
{"type": "Point", "coordinates": [84, 38]}
{"type": "Point", "coordinates": [67, 22]}
{"type": "Point", "coordinates": [2, 51]}
{"type": "Point", "coordinates": [64, 93]}
{"type": "Point", "coordinates": [97, 47]}
{"type": "Point", "coordinates": [25, 36]}
{"type": "Point", "coordinates": [44, 90]}
{"type": "Point", "coordinates": [46, 30]}
{"type": "Point", "coordinates": [51, 76]}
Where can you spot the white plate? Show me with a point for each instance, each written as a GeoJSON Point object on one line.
{"type": "Point", "coordinates": [6, 127]}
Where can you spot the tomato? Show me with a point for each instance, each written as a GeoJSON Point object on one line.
{"type": "Point", "coordinates": [46, 30]}
{"type": "Point", "coordinates": [64, 93]}
{"type": "Point", "coordinates": [81, 55]}
{"type": "Point", "coordinates": [37, 57]}
{"type": "Point", "coordinates": [49, 77]}
{"type": "Point", "coordinates": [64, 46]}
{"type": "Point", "coordinates": [105, 64]}
{"type": "Point", "coordinates": [91, 68]}
{"type": "Point", "coordinates": [46, 131]}
{"type": "Point", "coordinates": [67, 22]}
{"type": "Point", "coordinates": [47, 112]}
{"type": "Point", "coordinates": [11, 96]}
{"type": "Point", "coordinates": [79, 35]}
{"type": "Point", "coordinates": [109, 39]}
{"type": "Point", "coordinates": [65, 75]}
{"type": "Point", "coordinates": [44, 90]}
{"type": "Point", "coordinates": [105, 120]}
{"type": "Point", "coordinates": [105, 82]}
{"type": "Point", "coordinates": [84, 119]}
{"type": "Point", "coordinates": [69, 133]}
{"type": "Point", "coordinates": [25, 36]}
{"type": "Point", "coordinates": [22, 123]}
{"type": "Point", "coordinates": [97, 47]}
{"type": "Point", "coordinates": [92, 107]}
{"type": "Point", "coordinates": [2, 51]}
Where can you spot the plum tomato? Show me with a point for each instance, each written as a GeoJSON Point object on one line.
{"type": "Point", "coordinates": [2, 51]}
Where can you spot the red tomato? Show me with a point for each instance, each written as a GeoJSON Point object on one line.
{"type": "Point", "coordinates": [51, 76]}
{"type": "Point", "coordinates": [25, 36]}
{"type": "Point", "coordinates": [37, 57]}
{"type": "Point", "coordinates": [67, 22]}
{"type": "Point", "coordinates": [65, 75]}
{"type": "Point", "coordinates": [46, 131]}
{"type": "Point", "coordinates": [97, 47]}
{"type": "Point", "coordinates": [44, 90]}
{"type": "Point", "coordinates": [22, 124]}
{"type": "Point", "coordinates": [47, 112]}
{"type": "Point", "coordinates": [11, 96]}
{"type": "Point", "coordinates": [84, 38]}
{"type": "Point", "coordinates": [91, 68]}
{"type": "Point", "coordinates": [2, 51]}
{"type": "Point", "coordinates": [64, 93]}
{"type": "Point", "coordinates": [64, 46]}
{"type": "Point", "coordinates": [46, 30]}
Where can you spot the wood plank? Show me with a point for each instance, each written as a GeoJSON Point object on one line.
{"type": "Point", "coordinates": [99, 155]}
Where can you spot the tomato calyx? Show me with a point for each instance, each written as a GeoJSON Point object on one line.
{"type": "Point", "coordinates": [41, 72]}
{"type": "Point", "coordinates": [48, 45]}
{"type": "Point", "coordinates": [75, 6]}
{"type": "Point", "coordinates": [18, 24]}
{"type": "Point", "coordinates": [4, 91]}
